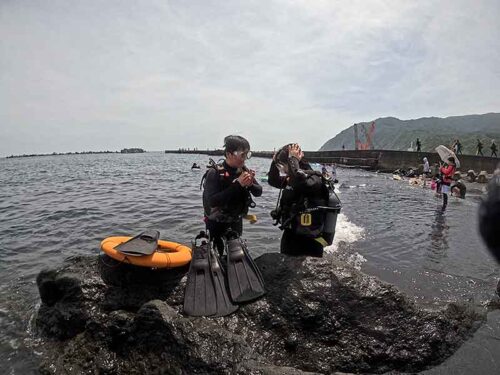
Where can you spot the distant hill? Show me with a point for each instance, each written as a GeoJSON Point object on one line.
{"type": "Point", "coordinates": [394, 134]}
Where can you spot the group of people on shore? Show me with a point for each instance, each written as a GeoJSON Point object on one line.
{"type": "Point", "coordinates": [307, 205]}
{"type": "Point", "coordinates": [456, 146]}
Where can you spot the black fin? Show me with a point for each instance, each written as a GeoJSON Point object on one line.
{"type": "Point", "coordinates": [206, 290]}
{"type": "Point", "coordinates": [199, 295]}
{"type": "Point", "coordinates": [224, 304]}
{"type": "Point", "coordinates": [145, 243]}
{"type": "Point", "coordinates": [244, 278]}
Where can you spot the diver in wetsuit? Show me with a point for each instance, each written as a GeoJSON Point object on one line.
{"type": "Point", "coordinates": [228, 191]}
{"type": "Point", "coordinates": [308, 208]}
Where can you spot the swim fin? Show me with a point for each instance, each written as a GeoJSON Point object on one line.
{"type": "Point", "coordinates": [244, 277]}
{"type": "Point", "coordinates": [224, 304]}
{"type": "Point", "coordinates": [144, 243]}
{"type": "Point", "coordinates": [206, 289]}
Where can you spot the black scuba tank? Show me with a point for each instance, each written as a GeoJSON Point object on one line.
{"type": "Point", "coordinates": [332, 211]}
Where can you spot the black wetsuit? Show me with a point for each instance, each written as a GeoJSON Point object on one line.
{"type": "Point", "coordinates": [226, 202]}
{"type": "Point", "coordinates": [300, 184]}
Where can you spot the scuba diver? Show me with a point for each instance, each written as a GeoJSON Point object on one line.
{"type": "Point", "coordinates": [447, 173]}
{"type": "Point", "coordinates": [307, 207]}
{"type": "Point", "coordinates": [211, 288]}
{"type": "Point", "coordinates": [228, 190]}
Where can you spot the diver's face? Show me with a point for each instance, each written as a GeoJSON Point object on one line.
{"type": "Point", "coordinates": [237, 159]}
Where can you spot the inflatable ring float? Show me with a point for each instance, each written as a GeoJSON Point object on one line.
{"type": "Point", "coordinates": [168, 255]}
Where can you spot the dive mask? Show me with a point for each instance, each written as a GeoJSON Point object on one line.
{"type": "Point", "coordinates": [245, 155]}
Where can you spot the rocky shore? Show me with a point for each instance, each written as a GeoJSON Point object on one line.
{"type": "Point", "coordinates": [318, 316]}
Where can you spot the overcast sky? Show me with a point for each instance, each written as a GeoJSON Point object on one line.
{"type": "Point", "coordinates": [103, 75]}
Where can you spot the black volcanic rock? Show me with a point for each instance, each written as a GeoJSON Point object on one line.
{"type": "Point", "coordinates": [319, 315]}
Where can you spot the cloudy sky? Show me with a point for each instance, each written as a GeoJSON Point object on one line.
{"type": "Point", "coordinates": [103, 75]}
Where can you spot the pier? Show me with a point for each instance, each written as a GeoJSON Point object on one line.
{"type": "Point", "coordinates": [381, 160]}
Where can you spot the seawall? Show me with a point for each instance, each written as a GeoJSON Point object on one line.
{"type": "Point", "coordinates": [382, 160]}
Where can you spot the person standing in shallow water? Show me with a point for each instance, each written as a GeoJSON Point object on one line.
{"type": "Point", "coordinates": [447, 172]}
{"type": "Point", "coordinates": [228, 191]}
{"type": "Point", "coordinates": [427, 171]}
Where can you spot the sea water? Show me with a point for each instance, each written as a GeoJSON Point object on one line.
{"type": "Point", "coordinates": [56, 207]}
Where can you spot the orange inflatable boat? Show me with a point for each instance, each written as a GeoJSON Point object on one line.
{"type": "Point", "coordinates": [168, 255]}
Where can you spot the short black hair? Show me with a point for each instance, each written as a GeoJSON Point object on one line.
{"type": "Point", "coordinates": [235, 143]}
{"type": "Point", "coordinates": [452, 159]}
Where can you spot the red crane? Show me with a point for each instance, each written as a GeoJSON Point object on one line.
{"type": "Point", "coordinates": [368, 136]}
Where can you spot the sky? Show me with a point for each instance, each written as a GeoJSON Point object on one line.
{"type": "Point", "coordinates": [105, 75]}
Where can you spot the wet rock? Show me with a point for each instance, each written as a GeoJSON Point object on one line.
{"type": "Point", "coordinates": [482, 177]}
{"type": "Point", "coordinates": [318, 316]}
{"type": "Point", "coordinates": [471, 175]}
{"type": "Point", "coordinates": [61, 314]}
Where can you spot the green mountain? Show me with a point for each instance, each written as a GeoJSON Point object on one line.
{"type": "Point", "coordinates": [393, 134]}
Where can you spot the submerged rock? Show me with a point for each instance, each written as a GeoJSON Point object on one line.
{"type": "Point", "coordinates": [319, 316]}
{"type": "Point", "coordinates": [482, 177]}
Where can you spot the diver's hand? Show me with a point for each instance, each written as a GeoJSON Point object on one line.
{"type": "Point", "coordinates": [245, 179]}
{"type": "Point", "coordinates": [295, 151]}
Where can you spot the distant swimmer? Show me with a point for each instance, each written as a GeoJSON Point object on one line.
{"type": "Point", "coordinates": [195, 166]}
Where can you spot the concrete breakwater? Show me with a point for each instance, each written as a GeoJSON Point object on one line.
{"type": "Point", "coordinates": [383, 160]}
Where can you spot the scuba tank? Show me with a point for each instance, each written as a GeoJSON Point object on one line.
{"type": "Point", "coordinates": [331, 212]}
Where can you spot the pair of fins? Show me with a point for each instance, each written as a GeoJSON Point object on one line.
{"type": "Point", "coordinates": [145, 243]}
{"type": "Point", "coordinates": [213, 291]}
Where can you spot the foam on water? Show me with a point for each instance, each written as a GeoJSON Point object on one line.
{"type": "Point", "coordinates": [347, 233]}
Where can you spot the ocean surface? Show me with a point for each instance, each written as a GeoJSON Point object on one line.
{"type": "Point", "coordinates": [56, 207]}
